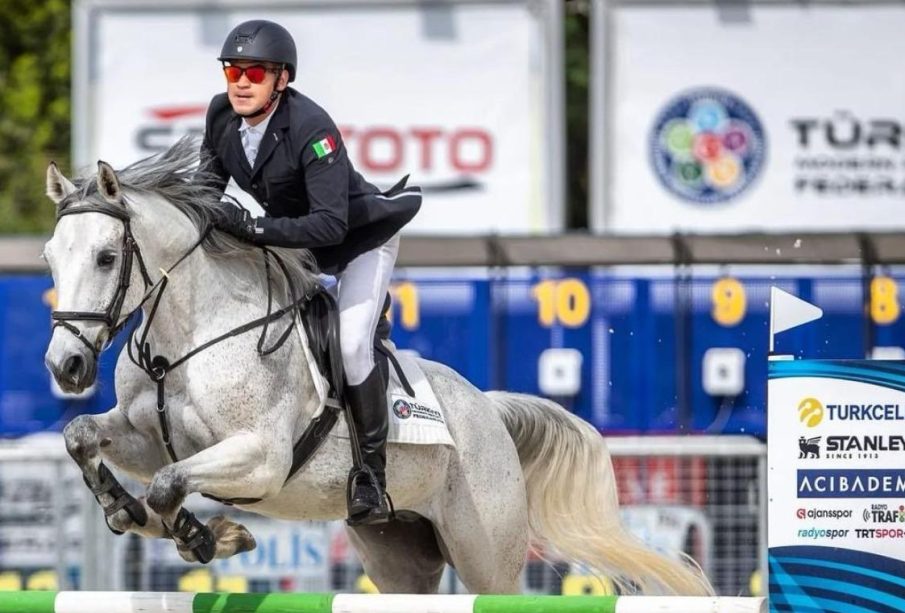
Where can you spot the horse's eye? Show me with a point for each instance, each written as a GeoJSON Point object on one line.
{"type": "Point", "coordinates": [105, 259]}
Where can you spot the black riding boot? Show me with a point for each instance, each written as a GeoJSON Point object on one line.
{"type": "Point", "coordinates": [367, 401]}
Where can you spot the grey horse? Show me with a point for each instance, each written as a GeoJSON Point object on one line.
{"type": "Point", "coordinates": [523, 469]}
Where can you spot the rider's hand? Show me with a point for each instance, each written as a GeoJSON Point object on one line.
{"type": "Point", "coordinates": [236, 221]}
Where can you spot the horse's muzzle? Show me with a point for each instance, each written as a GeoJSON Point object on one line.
{"type": "Point", "coordinates": [74, 370]}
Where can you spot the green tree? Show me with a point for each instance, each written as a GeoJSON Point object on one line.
{"type": "Point", "coordinates": [576, 70]}
{"type": "Point", "coordinates": [35, 63]}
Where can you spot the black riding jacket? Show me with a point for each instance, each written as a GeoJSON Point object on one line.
{"type": "Point", "coordinates": [305, 182]}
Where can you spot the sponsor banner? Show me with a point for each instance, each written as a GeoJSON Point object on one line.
{"type": "Point", "coordinates": [836, 470]}
{"type": "Point", "coordinates": [720, 124]}
{"type": "Point", "coordinates": [452, 97]}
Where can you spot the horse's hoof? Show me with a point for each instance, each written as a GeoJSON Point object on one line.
{"type": "Point", "coordinates": [232, 538]}
{"type": "Point", "coordinates": [119, 523]}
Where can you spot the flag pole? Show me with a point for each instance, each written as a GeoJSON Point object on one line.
{"type": "Point", "coordinates": [772, 317]}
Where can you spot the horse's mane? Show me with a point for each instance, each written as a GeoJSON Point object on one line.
{"type": "Point", "coordinates": [178, 176]}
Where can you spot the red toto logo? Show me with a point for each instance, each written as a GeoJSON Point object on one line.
{"type": "Point", "coordinates": [425, 148]}
{"type": "Point", "coordinates": [460, 154]}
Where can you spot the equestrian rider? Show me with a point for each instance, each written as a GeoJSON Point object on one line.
{"type": "Point", "coordinates": [284, 149]}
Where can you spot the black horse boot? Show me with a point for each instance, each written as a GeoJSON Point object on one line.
{"type": "Point", "coordinates": [367, 404]}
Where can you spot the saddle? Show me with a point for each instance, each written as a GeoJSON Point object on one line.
{"type": "Point", "coordinates": [321, 322]}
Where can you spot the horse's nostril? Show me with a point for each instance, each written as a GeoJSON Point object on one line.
{"type": "Point", "coordinates": [74, 367]}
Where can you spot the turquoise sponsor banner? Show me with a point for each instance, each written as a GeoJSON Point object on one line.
{"type": "Point", "coordinates": [836, 485]}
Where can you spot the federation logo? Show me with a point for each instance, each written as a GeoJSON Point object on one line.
{"type": "Point", "coordinates": [402, 409]}
{"type": "Point", "coordinates": [707, 146]}
{"type": "Point", "coordinates": [810, 412]}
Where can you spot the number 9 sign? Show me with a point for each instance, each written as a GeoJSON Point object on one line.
{"type": "Point", "coordinates": [729, 301]}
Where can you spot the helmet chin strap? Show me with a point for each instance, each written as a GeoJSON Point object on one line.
{"type": "Point", "coordinates": [274, 95]}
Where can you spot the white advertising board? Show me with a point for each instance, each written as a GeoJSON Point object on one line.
{"type": "Point", "coordinates": [836, 486]}
{"type": "Point", "coordinates": [750, 118]}
{"type": "Point", "coordinates": [455, 94]}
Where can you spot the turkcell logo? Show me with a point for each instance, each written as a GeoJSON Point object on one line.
{"type": "Point", "coordinates": [847, 483]}
{"type": "Point", "coordinates": [865, 412]}
{"type": "Point", "coordinates": [811, 412]}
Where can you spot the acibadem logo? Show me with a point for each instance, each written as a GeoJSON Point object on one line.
{"type": "Point", "coordinates": [811, 412]}
{"type": "Point", "coordinates": [851, 483]}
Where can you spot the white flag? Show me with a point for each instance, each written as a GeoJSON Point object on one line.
{"type": "Point", "coordinates": [788, 311]}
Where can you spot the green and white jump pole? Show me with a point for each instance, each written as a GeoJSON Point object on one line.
{"type": "Point", "coordinates": [185, 602]}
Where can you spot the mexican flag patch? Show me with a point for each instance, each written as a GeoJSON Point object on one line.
{"type": "Point", "coordinates": [324, 147]}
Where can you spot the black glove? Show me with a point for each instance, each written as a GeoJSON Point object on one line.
{"type": "Point", "coordinates": [236, 221]}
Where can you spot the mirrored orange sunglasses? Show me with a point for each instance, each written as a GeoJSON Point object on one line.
{"type": "Point", "coordinates": [255, 73]}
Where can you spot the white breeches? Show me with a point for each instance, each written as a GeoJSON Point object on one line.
{"type": "Point", "coordinates": [361, 290]}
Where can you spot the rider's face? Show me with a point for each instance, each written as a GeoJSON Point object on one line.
{"type": "Point", "coordinates": [247, 97]}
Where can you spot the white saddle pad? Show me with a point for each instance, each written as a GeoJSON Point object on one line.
{"type": "Point", "coordinates": [419, 420]}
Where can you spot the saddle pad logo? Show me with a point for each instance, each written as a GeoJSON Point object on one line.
{"type": "Point", "coordinates": [402, 409]}
{"type": "Point", "coordinates": [409, 408]}
{"type": "Point", "coordinates": [707, 146]}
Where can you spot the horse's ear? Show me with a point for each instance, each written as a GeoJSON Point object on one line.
{"type": "Point", "coordinates": [58, 186]}
{"type": "Point", "coordinates": [108, 184]}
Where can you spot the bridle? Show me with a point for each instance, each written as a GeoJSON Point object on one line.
{"type": "Point", "coordinates": [110, 316]}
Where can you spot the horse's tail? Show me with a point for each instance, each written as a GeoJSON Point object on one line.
{"type": "Point", "coordinates": [573, 503]}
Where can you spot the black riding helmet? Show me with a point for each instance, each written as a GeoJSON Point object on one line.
{"type": "Point", "coordinates": [261, 40]}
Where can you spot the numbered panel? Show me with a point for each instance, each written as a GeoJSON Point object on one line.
{"type": "Point", "coordinates": [730, 319]}
{"type": "Point", "coordinates": [630, 350]}
{"type": "Point", "coordinates": [888, 295]}
{"type": "Point", "coordinates": [726, 344]}
{"type": "Point", "coordinates": [446, 320]}
{"type": "Point", "coordinates": [534, 313]}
